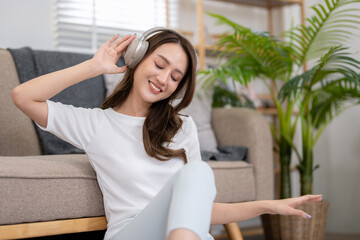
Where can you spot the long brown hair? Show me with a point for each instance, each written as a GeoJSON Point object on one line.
{"type": "Point", "coordinates": [163, 121]}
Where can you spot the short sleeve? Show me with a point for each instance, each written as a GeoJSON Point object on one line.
{"type": "Point", "coordinates": [75, 125]}
{"type": "Point", "coordinates": [193, 146]}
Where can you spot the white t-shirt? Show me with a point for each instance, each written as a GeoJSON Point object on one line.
{"type": "Point", "coordinates": [127, 176]}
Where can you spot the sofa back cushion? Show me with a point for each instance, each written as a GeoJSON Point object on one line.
{"type": "Point", "coordinates": [89, 94]}
{"type": "Point", "coordinates": [17, 133]}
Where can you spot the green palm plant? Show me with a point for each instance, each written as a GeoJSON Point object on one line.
{"type": "Point", "coordinates": [247, 54]}
{"type": "Point", "coordinates": [323, 91]}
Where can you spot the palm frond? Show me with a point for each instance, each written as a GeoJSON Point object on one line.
{"type": "Point", "coordinates": [336, 62]}
{"type": "Point", "coordinates": [252, 53]}
{"type": "Point", "coordinates": [332, 25]}
{"type": "Point", "coordinates": [296, 85]}
{"type": "Point", "coordinates": [328, 101]}
{"type": "Point", "coordinates": [334, 81]}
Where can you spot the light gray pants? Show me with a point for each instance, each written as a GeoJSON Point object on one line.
{"type": "Point", "coordinates": [185, 201]}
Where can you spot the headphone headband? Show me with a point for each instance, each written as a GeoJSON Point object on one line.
{"type": "Point", "coordinates": [138, 47]}
{"type": "Point", "coordinates": [147, 33]}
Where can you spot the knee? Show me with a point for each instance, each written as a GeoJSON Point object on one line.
{"type": "Point", "coordinates": [197, 177]}
{"type": "Point", "coordinates": [200, 171]}
{"type": "Point", "coordinates": [199, 167]}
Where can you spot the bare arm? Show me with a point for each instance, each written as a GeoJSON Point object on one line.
{"type": "Point", "coordinates": [224, 213]}
{"type": "Point", "coordinates": [30, 97]}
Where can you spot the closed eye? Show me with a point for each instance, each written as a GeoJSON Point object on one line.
{"type": "Point", "coordinates": [174, 79]}
{"type": "Point", "coordinates": [158, 66]}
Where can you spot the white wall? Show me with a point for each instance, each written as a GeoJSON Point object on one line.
{"type": "Point", "coordinates": [338, 153]}
{"type": "Point", "coordinates": [29, 23]}
{"type": "Point", "coordinates": [26, 23]}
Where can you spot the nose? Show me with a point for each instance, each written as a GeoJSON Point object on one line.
{"type": "Point", "coordinates": [163, 77]}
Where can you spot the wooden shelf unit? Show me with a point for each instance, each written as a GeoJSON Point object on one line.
{"type": "Point", "coordinates": [268, 4]}
{"type": "Point", "coordinates": [204, 49]}
{"type": "Point", "coordinates": [263, 3]}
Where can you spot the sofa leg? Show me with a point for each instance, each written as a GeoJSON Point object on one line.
{"type": "Point", "coordinates": [233, 231]}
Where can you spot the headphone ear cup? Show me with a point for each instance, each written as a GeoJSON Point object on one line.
{"type": "Point", "coordinates": [129, 53]}
{"type": "Point", "coordinates": [135, 52]}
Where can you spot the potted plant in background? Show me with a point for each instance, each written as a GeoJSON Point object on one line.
{"type": "Point", "coordinates": [320, 92]}
{"type": "Point", "coordinates": [323, 92]}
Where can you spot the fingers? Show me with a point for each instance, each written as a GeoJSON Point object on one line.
{"type": "Point", "coordinates": [123, 45]}
{"type": "Point", "coordinates": [119, 45]}
{"type": "Point", "coordinates": [117, 42]}
{"type": "Point", "coordinates": [304, 199]}
{"type": "Point", "coordinates": [122, 69]}
{"type": "Point", "coordinates": [301, 213]}
{"type": "Point", "coordinates": [111, 40]}
{"type": "Point", "coordinates": [308, 198]}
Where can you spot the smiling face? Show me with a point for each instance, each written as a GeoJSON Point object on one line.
{"type": "Point", "coordinates": [159, 74]}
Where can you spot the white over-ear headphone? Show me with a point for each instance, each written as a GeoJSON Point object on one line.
{"type": "Point", "coordinates": [138, 47]}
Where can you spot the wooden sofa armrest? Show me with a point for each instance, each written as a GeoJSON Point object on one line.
{"type": "Point", "coordinates": [49, 228]}
{"type": "Point", "coordinates": [249, 128]}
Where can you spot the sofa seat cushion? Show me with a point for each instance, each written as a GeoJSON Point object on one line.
{"type": "Point", "coordinates": [48, 187]}
{"type": "Point", "coordinates": [235, 181]}
{"type": "Point", "coordinates": [54, 187]}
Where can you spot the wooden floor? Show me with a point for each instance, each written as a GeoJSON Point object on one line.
{"type": "Point", "coordinates": [328, 236]}
{"type": "Point", "coordinates": [95, 235]}
{"type": "Point", "coordinates": [342, 236]}
{"type": "Point", "coordinates": [100, 235]}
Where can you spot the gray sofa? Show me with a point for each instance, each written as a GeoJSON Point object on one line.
{"type": "Point", "coordinates": [55, 194]}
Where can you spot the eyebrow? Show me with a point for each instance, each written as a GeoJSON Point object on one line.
{"type": "Point", "coordinates": [168, 62]}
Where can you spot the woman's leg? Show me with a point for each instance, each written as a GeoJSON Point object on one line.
{"type": "Point", "coordinates": [185, 202]}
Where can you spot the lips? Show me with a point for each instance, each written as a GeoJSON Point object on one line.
{"type": "Point", "coordinates": [154, 88]}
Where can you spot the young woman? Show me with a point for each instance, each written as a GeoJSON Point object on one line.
{"type": "Point", "coordinates": [146, 155]}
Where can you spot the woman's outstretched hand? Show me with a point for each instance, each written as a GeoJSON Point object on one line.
{"type": "Point", "coordinates": [108, 54]}
{"type": "Point", "coordinates": [235, 212]}
{"type": "Point", "coordinates": [287, 206]}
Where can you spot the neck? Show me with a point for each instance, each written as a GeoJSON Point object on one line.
{"type": "Point", "coordinates": [133, 107]}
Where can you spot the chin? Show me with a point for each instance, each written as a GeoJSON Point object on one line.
{"type": "Point", "coordinates": [157, 99]}
{"type": "Point", "coordinates": [151, 99]}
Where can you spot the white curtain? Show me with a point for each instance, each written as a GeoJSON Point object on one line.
{"type": "Point", "coordinates": [83, 25]}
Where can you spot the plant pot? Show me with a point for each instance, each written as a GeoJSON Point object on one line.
{"type": "Point", "coordinates": [278, 227]}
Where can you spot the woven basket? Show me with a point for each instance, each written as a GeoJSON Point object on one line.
{"type": "Point", "coordinates": [277, 227]}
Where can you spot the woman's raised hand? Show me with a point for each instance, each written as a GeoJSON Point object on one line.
{"type": "Point", "coordinates": [108, 54]}
{"type": "Point", "coordinates": [287, 206]}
